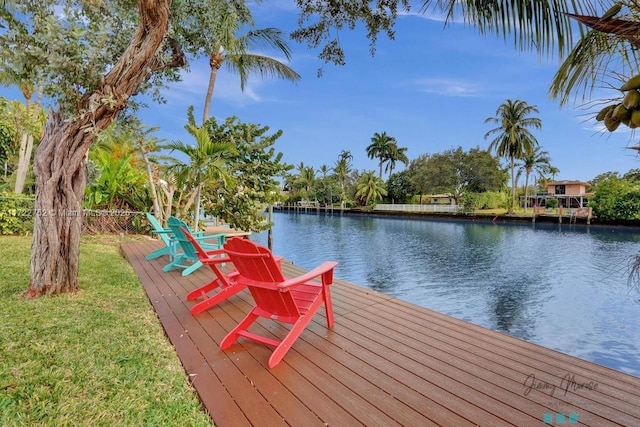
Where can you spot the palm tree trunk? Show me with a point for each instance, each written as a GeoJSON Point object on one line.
{"type": "Point", "coordinates": [526, 190]}
{"type": "Point", "coordinates": [215, 61]}
{"type": "Point", "coordinates": [513, 186]}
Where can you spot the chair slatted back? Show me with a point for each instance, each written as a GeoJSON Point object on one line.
{"type": "Point", "coordinates": [199, 250]}
{"type": "Point", "coordinates": [202, 255]}
{"type": "Point", "coordinates": [261, 273]}
{"type": "Point", "coordinates": [187, 247]}
{"type": "Point", "coordinates": [158, 227]}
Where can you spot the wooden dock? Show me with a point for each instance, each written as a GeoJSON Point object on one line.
{"type": "Point", "coordinates": [385, 362]}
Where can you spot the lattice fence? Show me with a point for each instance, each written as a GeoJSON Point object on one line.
{"type": "Point", "coordinates": [113, 222]}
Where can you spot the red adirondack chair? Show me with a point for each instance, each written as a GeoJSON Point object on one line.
{"type": "Point", "coordinates": [293, 301]}
{"type": "Point", "coordinates": [227, 283]}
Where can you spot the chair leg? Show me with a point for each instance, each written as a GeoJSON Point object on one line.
{"type": "Point", "coordinates": [216, 299]}
{"type": "Point", "coordinates": [202, 291]}
{"type": "Point", "coordinates": [193, 267]}
{"type": "Point", "coordinates": [173, 250]}
{"type": "Point", "coordinates": [328, 307]}
{"type": "Point", "coordinates": [175, 264]}
{"type": "Point", "coordinates": [242, 326]}
{"type": "Point", "coordinates": [286, 344]}
{"type": "Point", "coordinates": [157, 253]}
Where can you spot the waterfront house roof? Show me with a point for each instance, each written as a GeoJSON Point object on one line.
{"type": "Point", "coordinates": [567, 182]}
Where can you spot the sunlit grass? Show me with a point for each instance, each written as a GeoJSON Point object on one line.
{"type": "Point", "coordinates": [98, 357]}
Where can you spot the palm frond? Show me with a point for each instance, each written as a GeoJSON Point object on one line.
{"type": "Point", "coordinates": [247, 63]}
{"type": "Point", "coordinates": [269, 38]}
{"type": "Point", "coordinates": [590, 63]}
{"type": "Point", "coordinates": [533, 25]}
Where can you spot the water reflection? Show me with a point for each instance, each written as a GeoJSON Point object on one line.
{"type": "Point", "coordinates": [562, 286]}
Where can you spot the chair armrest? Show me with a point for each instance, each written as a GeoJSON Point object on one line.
{"type": "Point", "coordinates": [207, 241]}
{"type": "Point", "coordinates": [165, 231]}
{"type": "Point", "coordinates": [220, 236]}
{"type": "Point", "coordinates": [213, 259]}
{"type": "Point", "coordinates": [324, 269]}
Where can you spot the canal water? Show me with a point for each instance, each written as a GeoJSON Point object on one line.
{"type": "Point", "coordinates": [561, 286]}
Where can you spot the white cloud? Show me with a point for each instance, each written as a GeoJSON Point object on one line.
{"type": "Point", "coordinates": [431, 14]}
{"type": "Point", "coordinates": [446, 87]}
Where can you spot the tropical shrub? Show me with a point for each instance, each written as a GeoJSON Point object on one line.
{"type": "Point", "coordinates": [494, 200]}
{"type": "Point", "coordinates": [616, 198]}
{"type": "Point", "coordinates": [253, 164]}
{"type": "Point", "coordinates": [487, 200]}
{"type": "Point", "coordinates": [469, 202]}
{"type": "Point", "coordinates": [119, 184]}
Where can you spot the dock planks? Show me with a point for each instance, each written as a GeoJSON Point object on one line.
{"type": "Point", "coordinates": [385, 362]}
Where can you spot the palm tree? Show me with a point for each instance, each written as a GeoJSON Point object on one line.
{"type": "Point", "coordinates": [345, 155]}
{"type": "Point", "coordinates": [206, 161]}
{"type": "Point", "coordinates": [370, 188]}
{"type": "Point", "coordinates": [513, 140]}
{"type": "Point", "coordinates": [538, 163]}
{"type": "Point", "coordinates": [233, 51]}
{"type": "Point", "coordinates": [324, 170]}
{"type": "Point", "coordinates": [395, 154]}
{"type": "Point", "coordinates": [379, 148]}
{"type": "Point", "coordinates": [341, 171]}
{"type": "Point", "coordinates": [308, 176]}
{"type": "Point", "coordinates": [553, 171]}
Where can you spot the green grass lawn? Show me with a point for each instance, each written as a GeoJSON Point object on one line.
{"type": "Point", "coordinates": [98, 357]}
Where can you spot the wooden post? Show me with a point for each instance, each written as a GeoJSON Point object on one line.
{"type": "Point", "coordinates": [270, 231]}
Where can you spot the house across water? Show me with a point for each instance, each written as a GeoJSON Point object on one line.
{"type": "Point", "coordinates": [567, 194]}
{"type": "Point", "coordinates": [563, 198]}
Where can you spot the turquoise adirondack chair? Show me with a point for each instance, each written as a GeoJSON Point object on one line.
{"type": "Point", "coordinates": [166, 235]}
{"type": "Point", "coordinates": [188, 260]}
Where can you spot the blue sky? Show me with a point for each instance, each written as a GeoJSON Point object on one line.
{"type": "Point", "coordinates": [431, 88]}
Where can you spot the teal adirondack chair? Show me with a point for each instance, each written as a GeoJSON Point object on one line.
{"type": "Point", "coordinates": [166, 235]}
{"type": "Point", "coordinates": [188, 260]}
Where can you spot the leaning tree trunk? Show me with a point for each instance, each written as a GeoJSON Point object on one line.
{"type": "Point", "coordinates": [196, 214]}
{"type": "Point", "coordinates": [60, 163]}
{"type": "Point", "coordinates": [24, 160]}
{"type": "Point", "coordinates": [152, 185]}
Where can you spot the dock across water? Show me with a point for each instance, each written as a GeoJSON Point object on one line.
{"type": "Point", "coordinates": [385, 362]}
